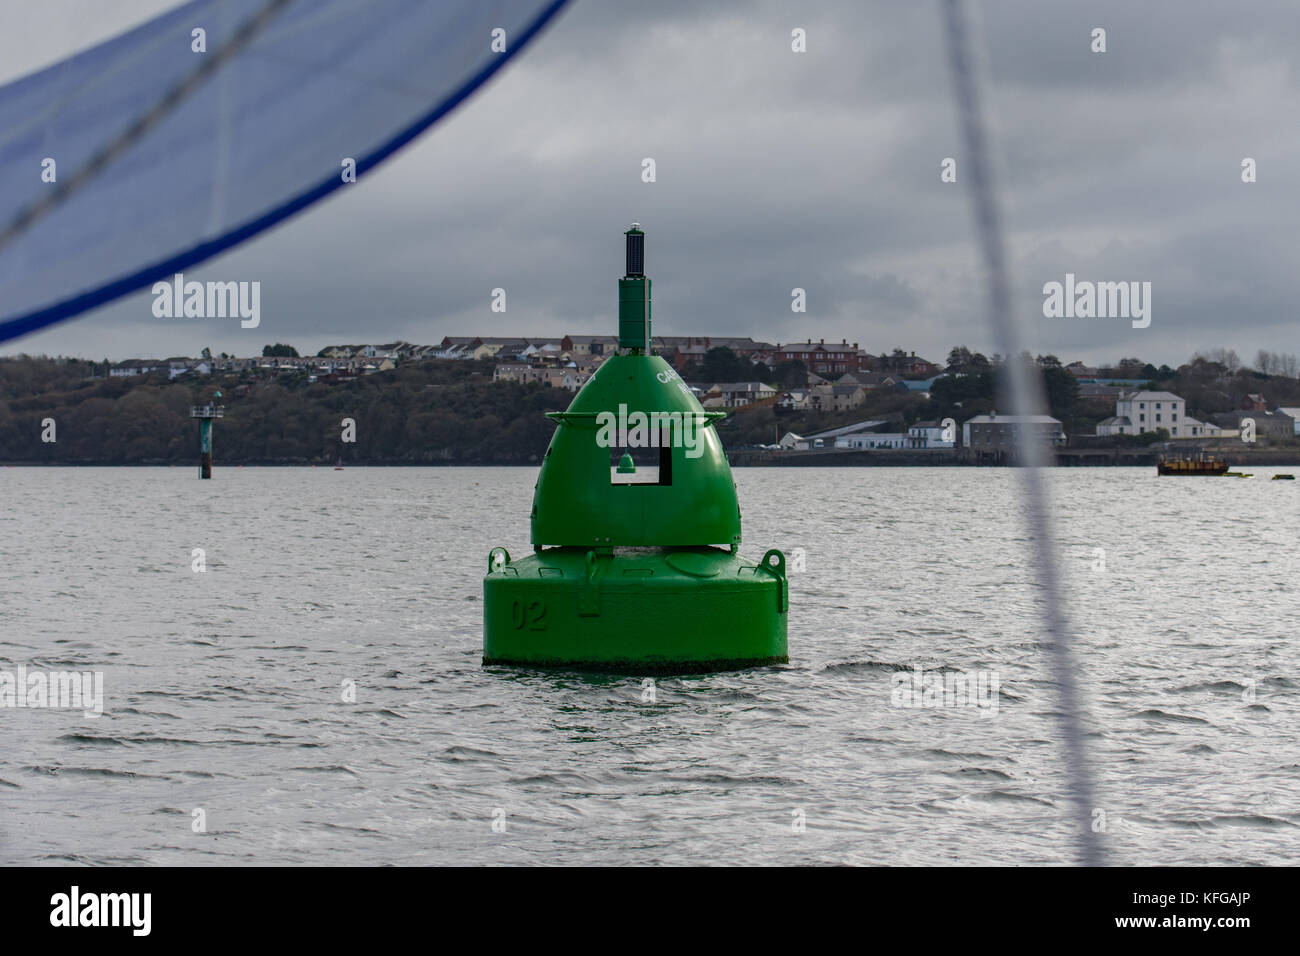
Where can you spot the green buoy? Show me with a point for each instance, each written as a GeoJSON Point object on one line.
{"type": "Point", "coordinates": [635, 566]}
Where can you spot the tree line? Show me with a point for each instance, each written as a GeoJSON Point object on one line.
{"type": "Point", "coordinates": [442, 411]}
{"type": "Point", "coordinates": [419, 413]}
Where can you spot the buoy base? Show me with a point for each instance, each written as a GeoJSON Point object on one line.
{"type": "Point", "coordinates": [640, 668]}
{"type": "Point", "coordinates": [635, 610]}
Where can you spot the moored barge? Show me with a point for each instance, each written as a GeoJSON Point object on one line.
{"type": "Point", "coordinates": [1203, 465]}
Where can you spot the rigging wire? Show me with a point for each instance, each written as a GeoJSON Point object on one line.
{"type": "Point", "coordinates": [1024, 390]}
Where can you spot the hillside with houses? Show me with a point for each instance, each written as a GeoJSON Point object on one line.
{"type": "Point", "coordinates": [483, 399]}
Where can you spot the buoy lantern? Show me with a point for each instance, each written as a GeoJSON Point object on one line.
{"type": "Point", "coordinates": [635, 530]}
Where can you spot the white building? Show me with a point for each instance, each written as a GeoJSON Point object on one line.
{"type": "Point", "coordinates": [179, 367]}
{"type": "Point", "coordinates": [831, 437]}
{"type": "Point", "coordinates": [792, 399]}
{"type": "Point", "coordinates": [136, 367]}
{"type": "Point", "coordinates": [872, 440]}
{"type": "Point", "coordinates": [1194, 428]}
{"type": "Point", "coordinates": [1139, 412]}
{"type": "Point", "coordinates": [455, 349]}
{"type": "Point", "coordinates": [931, 435]}
{"type": "Point", "coordinates": [736, 394]}
{"type": "Point", "coordinates": [389, 350]}
{"type": "Point", "coordinates": [1115, 425]}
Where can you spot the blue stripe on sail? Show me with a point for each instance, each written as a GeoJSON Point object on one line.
{"type": "Point", "coordinates": [68, 308]}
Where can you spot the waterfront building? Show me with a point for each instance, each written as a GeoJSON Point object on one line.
{"type": "Point", "coordinates": [996, 435]}
{"type": "Point", "coordinates": [930, 435]}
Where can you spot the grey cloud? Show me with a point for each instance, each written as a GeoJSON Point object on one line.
{"type": "Point", "coordinates": [818, 170]}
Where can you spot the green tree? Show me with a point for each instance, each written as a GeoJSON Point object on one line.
{"type": "Point", "coordinates": [789, 374]}
{"type": "Point", "coordinates": [1062, 394]}
{"type": "Point", "coordinates": [724, 365]}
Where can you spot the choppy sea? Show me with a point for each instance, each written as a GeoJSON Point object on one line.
{"type": "Point", "coordinates": [315, 695]}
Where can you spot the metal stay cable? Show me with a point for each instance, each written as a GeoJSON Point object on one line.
{"type": "Point", "coordinates": [1024, 390]}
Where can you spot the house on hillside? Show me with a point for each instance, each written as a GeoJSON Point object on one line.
{"type": "Point", "coordinates": [131, 367]}
{"type": "Point", "coordinates": [789, 401]}
{"type": "Point", "coordinates": [736, 394]}
{"type": "Point", "coordinates": [340, 351]}
{"type": "Point", "coordinates": [176, 367]}
{"type": "Point", "coordinates": [569, 378]}
{"type": "Point", "coordinates": [693, 348]}
{"type": "Point", "coordinates": [548, 352]}
{"type": "Point", "coordinates": [913, 364]}
{"type": "Point", "coordinates": [834, 398]}
{"type": "Point", "coordinates": [819, 357]}
{"type": "Point", "coordinates": [390, 350]}
{"type": "Point", "coordinates": [583, 347]}
{"type": "Point", "coordinates": [878, 379]}
{"type": "Point", "coordinates": [512, 351]}
{"type": "Point", "coordinates": [456, 347]}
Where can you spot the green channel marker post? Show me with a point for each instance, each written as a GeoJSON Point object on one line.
{"type": "Point", "coordinates": [635, 565]}
{"type": "Point", "coordinates": [205, 414]}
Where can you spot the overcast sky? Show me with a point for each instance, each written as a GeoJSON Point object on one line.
{"type": "Point", "coordinates": [778, 170]}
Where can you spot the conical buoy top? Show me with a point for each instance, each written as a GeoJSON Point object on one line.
{"type": "Point", "coordinates": [635, 409]}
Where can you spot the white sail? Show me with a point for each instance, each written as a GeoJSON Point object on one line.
{"type": "Point", "coordinates": [169, 146]}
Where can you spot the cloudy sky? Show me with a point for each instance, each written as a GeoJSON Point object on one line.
{"type": "Point", "coordinates": [778, 170]}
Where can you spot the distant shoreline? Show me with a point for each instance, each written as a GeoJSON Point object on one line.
{"type": "Point", "coordinates": [1063, 458]}
{"type": "Point", "coordinates": [847, 460]}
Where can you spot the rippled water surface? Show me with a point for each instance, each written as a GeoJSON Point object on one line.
{"type": "Point", "coordinates": [223, 689]}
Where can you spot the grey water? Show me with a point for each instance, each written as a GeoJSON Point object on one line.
{"type": "Point", "coordinates": [229, 733]}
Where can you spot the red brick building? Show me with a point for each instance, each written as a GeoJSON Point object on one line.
{"type": "Point", "coordinates": [821, 358]}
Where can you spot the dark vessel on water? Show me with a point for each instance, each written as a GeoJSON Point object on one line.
{"type": "Point", "coordinates": [1198, 465]}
